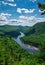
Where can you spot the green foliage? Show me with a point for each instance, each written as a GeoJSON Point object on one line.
{"type": "Point", "coordinates": [42, 7]}
{"type": "Point", "coordinates": [11, 31]}
{"type": "Point", "coordinates": [12, 54]}
{"type": "Point", "coordinates": [35, 40]}
{"type": "Point", "coordinates": [35, 36]}
{"type": "Point", "coordinates": [38, 28]}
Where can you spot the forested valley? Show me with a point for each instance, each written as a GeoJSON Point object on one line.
{"type": "Point", "coordinates": [12, 53]}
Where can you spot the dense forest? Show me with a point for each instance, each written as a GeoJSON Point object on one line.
{"type": "Point", "coordinates": [12, 31]}
{"type": "Point", "coordinates": [12, 54]}
{"type": "Point", "coordinates": [35, 36]}
{"type": "Point", "coordinates": [38, 28]}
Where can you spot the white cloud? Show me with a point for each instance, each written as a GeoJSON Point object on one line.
{"type": "Point", "coordinates": [27, 17]}
{"type": "Point", "coordinates": [30, 20]}
{"type": "Point", "coordinates": [10, 4]}
{"type": "Point", "coordinates": [5, 3]}
{"type": "Point", "coordinates": [22, 20]}
{"type": "Point", "coordinates": [41, 11]}
{"type": "Point", "coordinates": [40, 19]}
{"type": "Point", "coordinates": [10, 0]}
{"type": "Point", "coordinates": [4, 18]}
{"type": "Point", "coordinates": [19, 10]}
{"type": "Point", "coordinates": [29, 11]}
{"type": "Point", "coordinates": [5, 14]}
{"type": "Point", "coordinates": [23, 17]}
{"type": "Point", "coordinates": [33, 0]}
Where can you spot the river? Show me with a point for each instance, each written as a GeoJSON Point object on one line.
{"type": "Point", "coordinates": [30, 49]}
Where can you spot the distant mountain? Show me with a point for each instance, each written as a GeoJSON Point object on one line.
{"type": "Point", "coordinates": [11, 27]}
{"type": "Point", "coordinates": [9, 30]}
{"type": "Point", "coordinates": [12, 31]}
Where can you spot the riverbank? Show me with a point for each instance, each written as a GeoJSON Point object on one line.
{"type": "Point", "coordinates": [28, 48]}
{"type": "Point", "coordinates": [32, 47]}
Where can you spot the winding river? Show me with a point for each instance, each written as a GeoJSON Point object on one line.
{"type": "Point", "coordinates": [30, 49]}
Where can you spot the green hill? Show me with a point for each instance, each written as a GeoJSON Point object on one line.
{"type": "Point", "coordinates": [11, 31]}
{"type": "Point", "coordinates": [35, 35]}
{"type": "Point", "coordinates": [12, 54]}
{"type": "Point", "coordinates": [38, 28]}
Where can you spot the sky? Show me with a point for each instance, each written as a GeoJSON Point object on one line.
{"type": "Point", "coordinates": [20, 12]}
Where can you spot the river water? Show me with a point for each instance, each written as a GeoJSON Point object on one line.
{"type": "Point", "coordinates": [30, 49]}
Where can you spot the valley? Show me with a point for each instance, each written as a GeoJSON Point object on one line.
{"type": "Point", "coordinates": [17, 48]}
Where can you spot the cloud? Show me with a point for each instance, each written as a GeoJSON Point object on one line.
{"type": "Point", "coordinates": [33, 1]}
{"type": "Point", "coordinates": [23, 17]}
{"type": "Point", "coordinates": [23, 10]}
{"type": "Point", "coordinates": [10, 0]}
{"type": "Point", "coordinates": [10, 4]}
{"type": "Point", "coordinates": [22, 20]}
{"type": "Point", "coordinates": [27, 17]}
{"type": "Point", "coordinates": [4, 18]}
{"type": "Point", "coordinates": [19, 10]}
{"type": "Point", "coordinates": [42, 11]}
{"type": "Point", "coordinates": [40, 19]}
{"type": "Point", "coordinates": [5, 14]}
{"type": "Point", "coordinates": [30, 20]}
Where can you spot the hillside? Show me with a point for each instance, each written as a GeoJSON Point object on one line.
{"type": "Point", "coordinates": [35, 36]}
{"type": "Point", "coordinates": [12, 31]}
{"type": "Point", "coordinates": [38, 28]}
{"type": "Point", "coordinates": [9, 30]}
{"type": "Point", "coordinates": [12, 54]}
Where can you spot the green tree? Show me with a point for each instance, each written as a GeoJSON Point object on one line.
{"type": "Point", "coordinates": [42, 8]}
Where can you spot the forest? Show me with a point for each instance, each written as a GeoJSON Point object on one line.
{"type": "Point", "coordinates": [12, 53]}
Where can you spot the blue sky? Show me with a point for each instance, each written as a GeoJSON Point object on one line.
{"type": "Point", "coordinates": [20, 12]}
